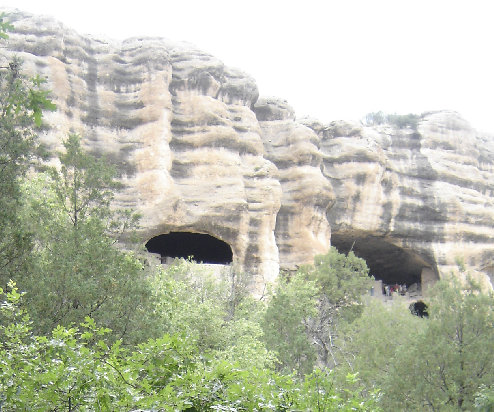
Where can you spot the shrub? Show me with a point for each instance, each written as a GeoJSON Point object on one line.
{"type": "Point", "coordinates": [400, 121]}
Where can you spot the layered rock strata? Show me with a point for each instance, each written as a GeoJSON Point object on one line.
{"type": "Point", "coordinates": [425, 190]}
{"type": "Point", "coordinates": [178, 125]}
{"type": "Point", "coordinates": [302, 229]}
{"type": "Point", "coordinates": [198, 151]}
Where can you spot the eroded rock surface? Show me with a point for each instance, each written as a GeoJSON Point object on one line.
{"type": "Point", "coordinates": [198, 151]}
{"type": "Point", "coordinates": [426, 190]}
{"type": "Point", "coordinates": [302, 230]}
{"type": "Point", "coordinates": [177, 123]}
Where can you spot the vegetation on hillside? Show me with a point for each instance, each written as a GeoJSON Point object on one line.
{"type": "Point", "coordinates": [436, 363]}
{"type": "Point", "coordinates": [399, 121]}
{"type": "Point", "coordinates": [22, 101]}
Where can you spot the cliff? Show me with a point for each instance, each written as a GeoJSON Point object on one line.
{"type": "Point", "coordinates": [412, 198]}
{"type": "Point", "coordinates": [198, 151]}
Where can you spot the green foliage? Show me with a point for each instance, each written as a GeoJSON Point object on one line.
{"type": "Point", "coordinates": [77, 269]}
{"type": "Point", "coordinates": [75, 369]}
{"type": "Point", "coordinates": [435, 363]}
{"type": "Point", "coordinates": [321, 394]}
{"type": "Point", "coordinates": [381, 335]}
{"type": "Point", "coordinates": [484, 399]}
{"type": "Point", "coordinates": [303, 316]}
{"type": "Point", "coordinates": [375, 118]}
{"type": "Point", "coordinates": [293, 303]}
{"type": "Point", "coordinates": [198, 304]}
{"type": "Point", "coordinates": [343, 280]}
{"type": "Point", "coordinates": [67, 370]}
{"type": "Point", "coordinates": [22, 101]}
{"type": "Point", "coordinates": [217, 313]}
{"type": "Point", "coordinates": [400, 121]}
{"type": "Point", "coordinates": [84, 185]}
{"type": "Point", "coordinates": [5, 26]}
{"type": "Point", "coordinates": [459, 355]}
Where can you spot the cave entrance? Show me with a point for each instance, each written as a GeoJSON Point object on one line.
{"type": "Point", "coordinates": [202, 248]}
{"type": "Point", "coordinates": [419, 309]}
{"type": "Point", "coordinates": [388, 263]}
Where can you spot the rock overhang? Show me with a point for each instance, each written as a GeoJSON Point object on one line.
{"type": "Point", "coordinates": [197, 149]}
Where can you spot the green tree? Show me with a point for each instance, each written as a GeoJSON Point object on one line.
{"type": "Point", "coordinates": [293, 303]}
{"type": "Point", "coordinates": [484, 399]}
{"type": "Point", "coordinates": [400, 121]}
{"type": "Point", "coordinates": [75, 370]}
{"type": "Point", "coordinates": [446, 365]}
{"type": "Point", "coordinates": [212, 309]}
{"type": "Point", "coordinates": [439, 363]}
{"type": "Point", "coordinates": [375, 340]}
{"type": "Point", "coordinates": [343, 280]}
{"type": "Point", "coordinates": [69, 370]}
{"type": "Point", "coordinates": [303, 316]}
{"type": "Point", "coordinates": [22, 102]}
{"type": "Point", "coordinates": [5, 26]}
{"type": "Point", "coordinates": [84, 185]}
{"type": "Point", "coordinates": [78, 269]}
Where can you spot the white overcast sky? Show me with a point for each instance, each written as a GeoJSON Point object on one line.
{"type": "Point", "coordinates": [331, 59]}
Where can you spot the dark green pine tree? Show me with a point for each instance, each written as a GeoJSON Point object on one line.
{"type": "Point", "coordinates": [79, 269]}
{"type": "Point", "coordinates": [22, 102]}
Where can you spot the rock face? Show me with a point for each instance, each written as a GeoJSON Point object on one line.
{"type": "Point", "coordinates": [302, 230]}
{"type": "Point", "coordinates": [414, 202]}
{"type": "Point", "coordinates": [198, 151]}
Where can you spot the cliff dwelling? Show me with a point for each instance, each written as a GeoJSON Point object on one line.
{"type": "Point", "coordinates": [388, 263]}
{"type": "Point", "coordinates": [201, 247]}
{"type": "Point", "coordinates": [248, 166]}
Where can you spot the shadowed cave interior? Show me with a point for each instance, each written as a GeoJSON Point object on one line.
{"type": "Point", "coordinates": [419, 309]}
{"type": "Point", "coordinates": [202, 248]}
{"type": "Point", "coordinates": [386, 262]}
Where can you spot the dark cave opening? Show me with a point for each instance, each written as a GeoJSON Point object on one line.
{"type": "Point", "coordinates": [201, 247]}
{"type": "Point", "coordinates": [386, 261]}
{"type": "Point", "coordinates": [419, 309]}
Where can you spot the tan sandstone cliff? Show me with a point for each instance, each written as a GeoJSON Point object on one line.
{"type": "Point", "coordinates": [198, 151]}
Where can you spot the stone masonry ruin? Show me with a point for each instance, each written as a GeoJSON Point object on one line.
{"type": "Point", "coordinates": [388, 263]}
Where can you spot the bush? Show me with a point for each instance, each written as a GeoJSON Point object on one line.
{"type": "Point", "coordinates": [400, 121]}
{"type": "Point", "coordinates": [76, 370]}
{"type": "Point", "coordinates": [302, 319]}
{"type": "Point", "coordinates": [435, 363]}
